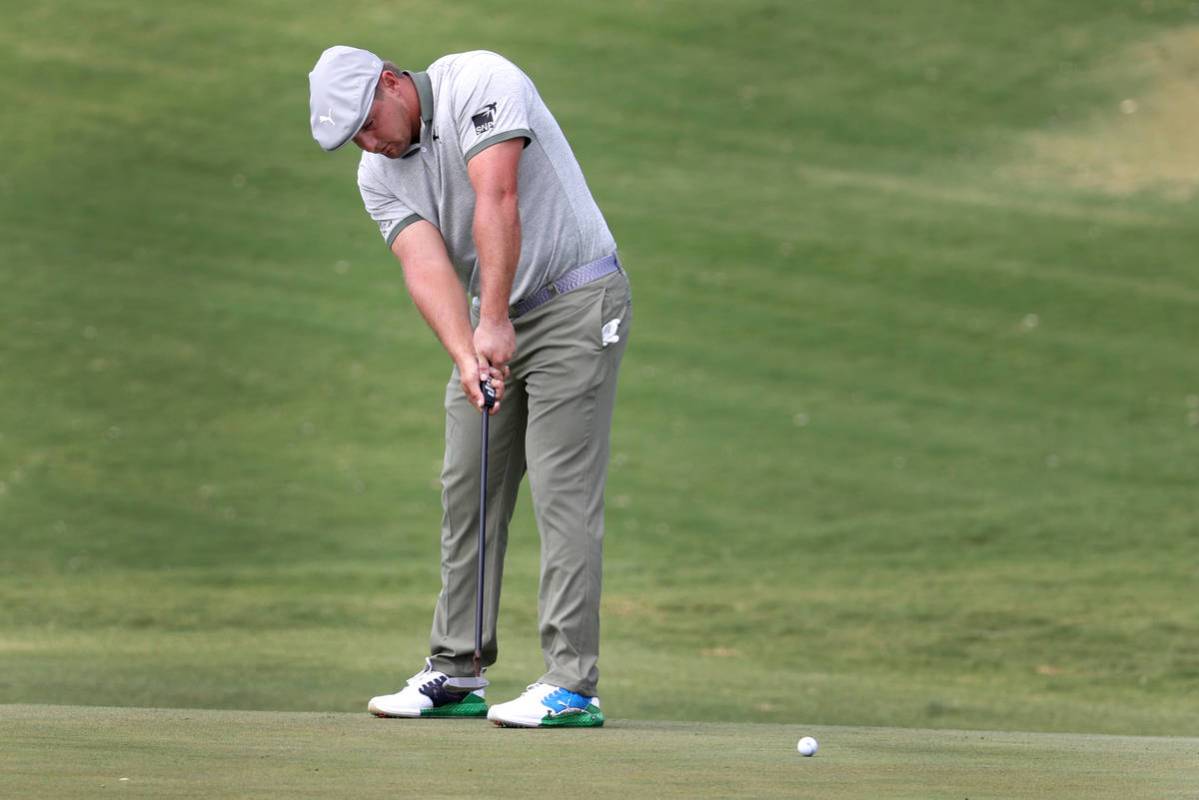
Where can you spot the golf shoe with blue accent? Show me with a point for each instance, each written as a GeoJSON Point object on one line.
{"type": "Point", "coordinates": [546, 706]}
{"type": "Point", "coordinates": [425, 696]}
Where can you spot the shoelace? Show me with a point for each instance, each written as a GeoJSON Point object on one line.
{"type": "Point", "coordinates": [441, 679]}
{"type": "Point", "coordinates": [428, 685]}
{"type": "Point", "coordinates": [420, 676]}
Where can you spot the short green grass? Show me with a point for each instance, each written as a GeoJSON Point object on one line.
{"type": "Point", "coordinates": [68, 752]}
{"type": "Point", "coordinates": [908, 429]}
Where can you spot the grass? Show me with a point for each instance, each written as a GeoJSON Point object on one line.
{"type": "Point", "coordinates": [70, 752]}
{"type": "Point", "coordinates": [907, 428]}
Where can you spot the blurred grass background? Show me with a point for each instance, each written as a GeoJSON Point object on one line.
{"type": "Point", "coordinates": [908, 431]}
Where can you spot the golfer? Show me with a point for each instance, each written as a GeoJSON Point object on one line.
{"type": "Point", "coordinates": [510, 262]}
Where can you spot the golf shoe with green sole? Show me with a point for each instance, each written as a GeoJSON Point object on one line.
{"type": "Point", "coordinates": [426, 697]}
{"type": "Point", "coordinates": [546, 706]}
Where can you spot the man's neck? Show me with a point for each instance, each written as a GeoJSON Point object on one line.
{"type": "Point", "coordinates": [412, 101]}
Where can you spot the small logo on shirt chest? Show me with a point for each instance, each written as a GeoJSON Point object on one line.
{"type": "Point", "coordinates": [484, 119]}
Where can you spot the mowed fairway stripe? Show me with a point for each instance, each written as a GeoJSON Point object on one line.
{"type": "Point", "coordinates": [907, 428]}
{"type": "Point", "coordinates": [73, 751]}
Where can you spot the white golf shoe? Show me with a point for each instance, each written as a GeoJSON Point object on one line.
{"type": "Point", "coordinates": [546, 706]}
{"type": "Point", "coordinates": [425, 695]}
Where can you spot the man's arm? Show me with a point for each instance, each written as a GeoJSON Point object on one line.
{"type": "Point", "coordinates": [493, 174]}
{"type": "Point", "coordinates": [441, 300]}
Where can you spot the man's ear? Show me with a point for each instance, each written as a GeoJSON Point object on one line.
{"type": "Point", "coordinates": [389, 81]}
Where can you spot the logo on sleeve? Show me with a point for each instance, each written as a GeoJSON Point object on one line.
{"type": "Point", "coordinates": [484, 119]}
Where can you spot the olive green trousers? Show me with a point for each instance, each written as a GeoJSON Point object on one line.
{"type": "Point", "coordinates": [553, 424]}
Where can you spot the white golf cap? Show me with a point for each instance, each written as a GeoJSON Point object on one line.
{"type": "Point", "coordinates": [341, 88]}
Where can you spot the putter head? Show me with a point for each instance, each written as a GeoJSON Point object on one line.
{"type": "Point", "coordinates": [472, 684]}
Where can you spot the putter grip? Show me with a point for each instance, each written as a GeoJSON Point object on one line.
{"type": "Point", "coordinates": [488, 394]}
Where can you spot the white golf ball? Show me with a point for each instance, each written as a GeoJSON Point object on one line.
{"type": "Point", "coordinates": [807, 746]}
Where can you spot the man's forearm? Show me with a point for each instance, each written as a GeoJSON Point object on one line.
{"type": "Point", "coordinates": [496, 230]}
{"type": "Point", "coordinates": [438, 295]}
{"type": "Point", "coordinates": [497, 242]}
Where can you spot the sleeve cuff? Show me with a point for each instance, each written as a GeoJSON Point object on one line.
{"type": "Point", "coordinates": [518, 133]}
{"type": "Point", "coordinates": [399, 226]}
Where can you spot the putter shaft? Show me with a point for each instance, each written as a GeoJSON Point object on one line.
{"type": "Point", "coordinates": [482, 545]}
{"type": "Point", "coordinates": [478, 682]}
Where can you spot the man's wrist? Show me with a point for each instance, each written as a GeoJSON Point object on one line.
{"type": "Point", "coordinates": [464, 355]}
{"type": "Point", "coordinates": [493, 316]}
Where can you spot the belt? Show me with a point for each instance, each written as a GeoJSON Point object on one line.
{"type": "Point", "coordinates": [577, 277]}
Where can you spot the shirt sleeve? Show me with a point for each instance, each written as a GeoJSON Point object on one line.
{"type": "Point", "coordinates": [492, 103]}
{"type": "Point", "coordinates": [387, 210]}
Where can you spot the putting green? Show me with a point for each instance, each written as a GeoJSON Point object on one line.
{"type": "Point", "coordinates": [71, 751]}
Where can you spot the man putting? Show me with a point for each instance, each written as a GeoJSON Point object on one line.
{"type": "Point", "coordinates": [477, 193]}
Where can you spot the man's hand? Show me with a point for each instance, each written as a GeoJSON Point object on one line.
{"type": "Point", "coordinates": [495, 341]}
{"type": "Point", "coordinates": [495, 344]}
{"type": "Point", "coordinates": [470, 372]}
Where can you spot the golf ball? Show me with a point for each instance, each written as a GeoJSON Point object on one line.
{"type": "Point", "coordinates": [807, 746]}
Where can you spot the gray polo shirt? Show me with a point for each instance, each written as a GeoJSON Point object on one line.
{"type": "Point", "coordinates": [469, 101]}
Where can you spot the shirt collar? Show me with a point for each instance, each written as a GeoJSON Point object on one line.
{"type": "Point", "coordinates": [424, 93]}
{"type": "Point", "coordinates": [424, 90]}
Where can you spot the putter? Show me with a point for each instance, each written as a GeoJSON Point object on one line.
{"type": "Point", "coordinates": [478, 681]}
